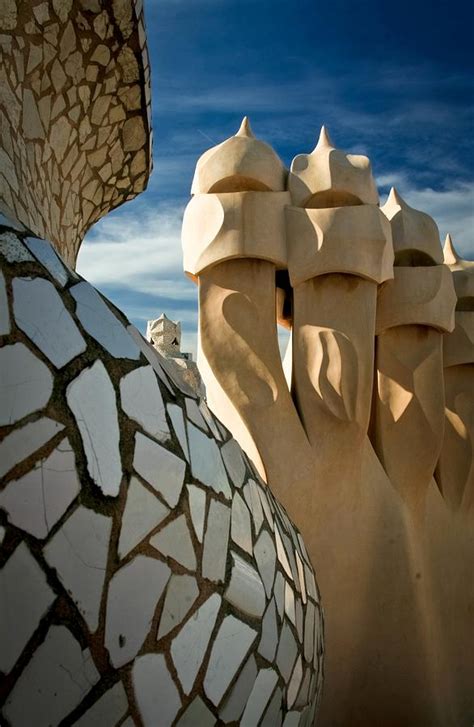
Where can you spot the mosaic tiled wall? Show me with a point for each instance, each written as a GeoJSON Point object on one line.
{"type": "Point", "coordinates": [75, 134]}
{"type": "Point", "coordinates": [148, 576]}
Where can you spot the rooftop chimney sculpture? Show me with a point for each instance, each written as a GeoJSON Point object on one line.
{"type": "Point", "coordinates": [351, 442]}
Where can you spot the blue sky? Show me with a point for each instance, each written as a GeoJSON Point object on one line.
{"type": "Point", "coordinates": [391, 80]}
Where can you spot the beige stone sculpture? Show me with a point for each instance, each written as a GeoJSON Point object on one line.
{"type": "Point", "coordinates": [413, 311]}
{"type": "Point", "coordinates": [70, 83]}
{"type": "Point", "coordinates": [368, 300]}
{"type": "Point", "coordinates": [234, 242]}
{"type": "Point", "coordinates": [339, 250]}
{"type": "Point", "coordinates": [455, 470]}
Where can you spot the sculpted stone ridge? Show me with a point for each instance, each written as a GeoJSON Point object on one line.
{"type": "Point", "coordinates": [354, 240]}
{"type": "Point", "coordinates": [415, 234]}
{"type": "Point", "coordinates": [417, 295]}
{"type": "Point", "coordinates": [328, 177]}
{"type": "Point", "coordinates": [225, 226]}
{"type": "Point", "coordinates": [240, 163]}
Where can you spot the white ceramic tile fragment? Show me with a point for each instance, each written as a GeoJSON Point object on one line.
{"type": "Point", "coordinates": [99, 321]}
{"type": "Point", "coordinates": [279, 591]}
{"type": "Point", "coordinates": [303, 694]}
{"type": "Point", "coordinates": [290, 603]}
{"type": "Point", "coordinates": [189, 647]}
{"type": "Point", "coordinates": [107, 711]}
{"type": "Point", "coordinates": [9, 222]}
{"type": "Point", "coordinates": [42, 315]}
{"type": "Point", "coordinates": [236, 700]}
{"type": "Point", "coordinates": [197, 715]}
{"type": "Point", "coordinates": [266, 507]}
{"type": "Point", "coordinates": [273, 716]}
{"type": "Point", "coordinates": [216, 542]}
{"type": "Point", "coordinates": [281, 553]}
{"type": "Point", "coordinates": [210, 421]}
{"type": "Point", "coordinates": [55, 681]}
{"type": "Point", "coordinates": [295, 682]}
{"type": "Point", "coordinates": [303, 548]}
{"type": "Point", "coordinates": [92, 399]}
{"type": "Point", "coordinates": [309, 631]}
{"type": "Point", "coordinates": [13, 249]}
{"type": "Point", "coordinates": [134, 592]}
{"type": "Point", "coordinates": [290, 553]}
{"type": "Point", "coordinates": [269, 641]}
{"type": "Point", "coordinates": [142, 401]}
{"type": "Point", "coordinates": [36, 501]}
{"type": "Point", "coordinates": [193, 413]}
{"type": "Point", "coordinates": [265, 555]}
{"type": "Point", "coordinates": [287, 651]}
{"type": "Point", "coordinates": [230, 646]}
{"type": "Point", "coordinates": [162, 469]}
{"type": "Point", "coordinates": [175, 542]}
{"type": "Point", "coordinates": [25, 599]}
{"type": "Point", "coordinates": [233, 460]}
{"type": "Point", "coordinates": [241, 529]}
{"type": "Point", "coordinates": [25, 383]}
{"type": "Point", "coordinates": [79, 552]}
{"type": "Point", "coordinates": [292, 719]}
{"type": "Point", "coordinates": [259, 697]}
{"type": "Point", "coordinates": [143, 512]}
{"type": "Point", "coordinates": [299, 618]}
{"type": "Point", "coordinates": [174, 373]}
{"type": "Point", "coordinates": [177, 420]}
{"type": "Point", "coordinates": [223, 431]}
{"type": "Point", "coordinates": [45, 253]}
{"type": "Point", "coordinates": [22, 442]}
{"type": "Point", "coordinates": [252, 499]}
{"type": "Point", "coordinates": [180, 597]}
{"type": "Point", "coordinates": [206, 461]}
{"type": "Point", "coordinates": [197, 508]}
{"type": "Point", "coordinates": [301, 578]}
{"type": "Point", "coordinates": [245, 590]}
{"type": "Point", "coordinates": [311, 584]}
{"type": "Point", "coordinates": [156, 695]}
{"type": "Point", "coordinates": [151, 355]}
{"type": "Point", "coordinates": [4, 312]}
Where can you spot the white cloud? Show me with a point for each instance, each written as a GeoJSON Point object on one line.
{"type": "Point", "coordinates": [126, 249]}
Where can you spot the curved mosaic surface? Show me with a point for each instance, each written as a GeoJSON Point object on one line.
{"type": "Point", "coordinates": [148, 576]}
{"type": "Point", "coordinates": [75, 113]}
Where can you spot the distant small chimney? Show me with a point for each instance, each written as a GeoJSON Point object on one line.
{"type": "Point", "coordinates": [165, 335]}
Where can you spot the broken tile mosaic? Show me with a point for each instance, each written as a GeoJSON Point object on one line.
{"type": "Point", "coordinates": [78, 552]}
{"type": "Point", "coordinates": [92, 399]}
{"type": "Point", "coordinates": [26, 598]}
{"type": "Point", "coordinates": [162, 469]}
{"type": "Point", "coordinates": [36, 501]}
{"type": "Point", "coordinates": [134, 592]}
{"type": "Point", "coordinates": [26, 384]}
{"type": "Point", "coordinates": [189, 646]}
{"type": "Point", "coordinates": [41, 314]}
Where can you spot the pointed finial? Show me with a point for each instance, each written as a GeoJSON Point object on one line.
{"type": "Point", "coordinates": [450, 255]}
{"type": "Point", "coordinates": [324, 138]}
{"type": "Point", "coordinates": [245, 129]}
{"type": "Point", "coordinates": [395, 198]}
